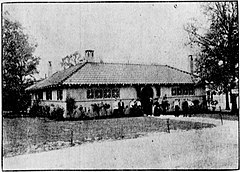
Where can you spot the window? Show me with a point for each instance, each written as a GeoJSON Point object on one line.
{"type": "Point", "coordinates": [107, 93]}
{"type": "Point", "coordinates": [182, 91]}
{"type": "Point", "coordinates": [179, 91]}
{"type": "Point", "coordinates": [99, 93]}
{"type": "Point", "coordinates": [59, 94]}
{"type": "Point", "coordinates": [90, 94]}
{"type": "Point", "coordinates": [39, 95]}
{"type": "Point", "coordinates": [48, 95]}
{"type": "Point", "coordinates": [191, 91]}
{"type": "Point", "coordinates": [115, 93]}
{"type": "Point", "coordinates": [185, 91]}
{"type": "Point", "coordinates": [174, 91]}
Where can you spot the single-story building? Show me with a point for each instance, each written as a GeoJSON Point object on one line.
{"type": "Point", "coordinates": [95, 82]}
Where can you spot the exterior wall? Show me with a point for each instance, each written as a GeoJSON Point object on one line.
{"type": "Point", "coordinates": [154, 92]}
{"type": "Point", "coordinates": [165, 91]}
{"type": "Point", "coordinates": [128, 93]}
{"type": "Point", "coordinates": [80, 96]}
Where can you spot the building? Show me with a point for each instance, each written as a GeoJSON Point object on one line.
{"type": "Point", "coordinates": [92, 82]}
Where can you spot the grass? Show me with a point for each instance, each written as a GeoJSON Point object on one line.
{"type": "Point", "coordinates": [29, 135]}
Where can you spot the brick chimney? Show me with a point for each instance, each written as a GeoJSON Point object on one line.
{"type": "Point", "coordinates": [89, 55]}
{"type": "Point", "coordinates": [49, 68]}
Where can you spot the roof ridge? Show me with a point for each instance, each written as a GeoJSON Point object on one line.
{"type": "Point", "coordinates": [180, 70]}
{"type": "Point", "coordinates": [74, 71]}
{"type": "Point", "coordinates": [121, 63]}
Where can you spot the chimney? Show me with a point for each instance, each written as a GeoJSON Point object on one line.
{"type": "Point", "coordinates": [49, 68]}
{"type": "Point", "coordinates": [89, 55]}
{"type": "Point", "coordinates": [191, 63]}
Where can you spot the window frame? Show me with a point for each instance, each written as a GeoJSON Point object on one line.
{"type": "Point", "coordinates": [181, 91]}
{"type": "Point", "coordinates": [60, 94]}
{"type": "Point", "coordinates": [49, 95]}
{"type": "Point", "coordinates": [103, 93]}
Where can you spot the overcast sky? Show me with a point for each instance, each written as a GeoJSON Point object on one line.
{"type": "Point", "coordinates": [117, 32]}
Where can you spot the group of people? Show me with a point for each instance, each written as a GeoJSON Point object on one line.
{"type": "Point", "coordinates": [155, 107]}
{"type": "Point", "coordinates": [147, 107]}
{"type": "Point", "coordinates": [187, 107]}
{"type": "Point", "coordinates": [135, 108]}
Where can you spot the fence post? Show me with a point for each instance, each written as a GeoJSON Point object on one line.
{"type": "Point", "coordinates": [71, 140]}
{"type": "Point", "coordinates": [168, 125]}
{"type": "Point", "coordinates": [221, 115]}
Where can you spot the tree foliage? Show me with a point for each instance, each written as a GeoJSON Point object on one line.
{"type": "Point", "coordinates": [18, 62]}
{"type": "Point", "coordinates": [71, 60]}
{"type": "Point", "coordinates": [217, 58]}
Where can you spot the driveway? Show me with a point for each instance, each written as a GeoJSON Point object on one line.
{"type": "Point", "coordinates": [209, 148]}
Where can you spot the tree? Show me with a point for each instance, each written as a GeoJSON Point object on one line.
{"type": "Point", "coordinates": [71, 60]}
{"type": "Point", "coordinates": [19, 64]}
{"type": "Point", "coordinates": [217, 56]}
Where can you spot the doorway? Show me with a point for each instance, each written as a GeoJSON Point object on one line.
{"type": "Point", "coordinates": [146, 94]}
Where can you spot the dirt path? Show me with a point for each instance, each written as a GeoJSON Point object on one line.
{"type": "Point", "coordinates": [210, 148]}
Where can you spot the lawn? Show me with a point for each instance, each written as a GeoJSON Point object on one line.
{"type": "Point", "coordinates": [29, 135]}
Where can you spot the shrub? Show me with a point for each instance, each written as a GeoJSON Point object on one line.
{"type": "Point", "coordinates": [45, 111]}
{"type": "Point", "coordinates": [35, 110]}
{"type": "Point", "coordinates": [57, 113]}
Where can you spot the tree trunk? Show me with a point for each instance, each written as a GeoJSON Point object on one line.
{"type": "Point", "coordinates": [234, 103]}
{"type": "Point", "coordinates": [227, 101]}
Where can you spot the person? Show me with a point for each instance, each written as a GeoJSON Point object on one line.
{"type": "Point", "coordinates": [132, 105]}
{"type": "Point", "coordinates": [95, 108]}
{"type": "Point", "coordinates": [176, 105]}
{"type": "Point", "coordinates": [102, 110]}
{"type": "Point", "coordinates": [108, 109]}
{"type": "Point", "coordinates": [127, 111]}
{"type": "Point", "coordinates": [139, 107]}
{"type": "Point", "coordinates": [165, 104]}
{"type": "Point", "coordinates": [138, 102]}
{"type": "Point", "coordinates": [185, 108]}
{"type": "Point", "coordinates": [156, 108]}
{"type": "Point", "coordinates": [190, 107]}
{"type": "Point", "coordinates": [115, 108]}
{"type": "Point", "coordinates": [150, 106]}
{"type": "Point", "coordinates": [120, 108]}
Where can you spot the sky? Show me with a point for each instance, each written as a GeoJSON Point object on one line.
{"type": "Point", "coordinates": [117, 32]}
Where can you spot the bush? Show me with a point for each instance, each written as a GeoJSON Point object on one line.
{"type": "Point", "coordinates": [35, 110]}
{"type": "Point", "coordinates": [38, 110]}
{"type": "Point", "coordinates": [45, 110]}
{"type": "Point", "coordinates": [56, 113]}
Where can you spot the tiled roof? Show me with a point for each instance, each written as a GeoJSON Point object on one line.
{"type": "Point", "coordinates": [117, 73]}
{"type": "Point", "coordinates": [56, 79]}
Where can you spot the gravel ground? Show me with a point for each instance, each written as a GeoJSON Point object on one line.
{"type": "Point", "coordinates": [209, 148]}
